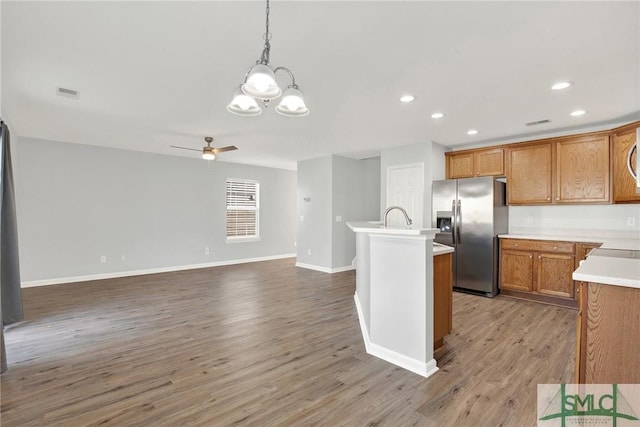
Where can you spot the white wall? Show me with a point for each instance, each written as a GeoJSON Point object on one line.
{"type": "Point", "coordinates": [582, 220]}
{"type": "Point", "coordinates": [77, 203]}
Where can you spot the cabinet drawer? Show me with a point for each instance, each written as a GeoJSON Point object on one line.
{"type": "Point", "coordinates": [538, 245]}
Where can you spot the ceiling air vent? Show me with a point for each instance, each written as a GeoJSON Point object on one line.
{"type": "Point", "coordinates": [539, 122]}
{"type": "Point", "coordinates": [67, 93]}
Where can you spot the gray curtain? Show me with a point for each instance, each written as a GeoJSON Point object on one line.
{"type": "Point", "coordinates": [11, 293]}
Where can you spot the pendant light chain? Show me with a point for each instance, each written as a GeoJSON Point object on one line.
{"type": "Point", "coordinates": [267, 37]}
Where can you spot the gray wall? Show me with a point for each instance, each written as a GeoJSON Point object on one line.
{"type": "Point", "coordinates": [438, 161]}
{"type": "Point", "coordinates": [353, 200]}
{"type": "Point", "coordinates": [314, 216]}
{"type": "Point", "coordinates": [337, 187]}
{"type": "Point", "coordinates": [77, 203]}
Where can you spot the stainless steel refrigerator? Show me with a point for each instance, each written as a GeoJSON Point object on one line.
{"type": "Point", "coordinates": [470, 213]}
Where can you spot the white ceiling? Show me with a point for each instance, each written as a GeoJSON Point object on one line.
{"type": "Point", "coordinates": [155, 74]}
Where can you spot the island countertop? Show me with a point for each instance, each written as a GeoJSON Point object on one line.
{"type": "Point", "coordinates": [374, 227]}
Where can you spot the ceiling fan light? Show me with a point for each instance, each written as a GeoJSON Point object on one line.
{"type": "Point", "coordinates": [261, 83]}
{"type": "Point", "coordinates": [208, 154]}
{"type": "Point", "coordinates": [243, 105]}
{"type": "Point", "coordinates": [292, 103]}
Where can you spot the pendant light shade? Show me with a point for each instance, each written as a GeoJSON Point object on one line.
{"type": "Point", "coordinates": [243, 105]}
{"type": "Point", "coordinates": [292, 103]}
{"type": "Point", "coordinates": [261, 83]}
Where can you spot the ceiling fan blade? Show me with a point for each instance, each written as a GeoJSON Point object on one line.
{"type": "Point", "coordinates": [223, 149]}
{"type": "Point", "coordinates": [184, 148]}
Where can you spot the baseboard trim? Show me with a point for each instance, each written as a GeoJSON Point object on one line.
{"type": "Point", "coordinates": [425, 369]}
{"type": "Point", "coordinates": [101, 276]}
{"type": "Point", "coordinates": [325, 269]}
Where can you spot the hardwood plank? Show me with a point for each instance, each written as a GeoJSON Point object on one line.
{"type": "Point", "coordinates": [265, 344]}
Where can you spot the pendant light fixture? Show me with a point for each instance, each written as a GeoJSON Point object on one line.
{"type": "Point", "coordinates": [260, 84]}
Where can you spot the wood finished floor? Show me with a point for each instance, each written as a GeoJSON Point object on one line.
{"type": "Point", "coordinates": [265, 344]}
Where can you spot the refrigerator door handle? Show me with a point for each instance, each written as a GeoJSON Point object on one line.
{"type": "Point", "coordinates": [454, 220]}
{"type": "Point", "coordinates": [459, 222]}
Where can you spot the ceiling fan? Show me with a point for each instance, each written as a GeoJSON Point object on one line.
{"type": "Point", "coordinates": [209, 152]}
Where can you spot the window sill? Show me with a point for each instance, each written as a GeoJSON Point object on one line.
{"type": "Point", "coordinates": [243, 240]}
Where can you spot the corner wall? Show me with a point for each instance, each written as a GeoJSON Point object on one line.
{"type": "Point", "coordinates": [338, 189]}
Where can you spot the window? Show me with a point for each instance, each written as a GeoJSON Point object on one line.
{"type": "Point", "coordinates": [242, 209]}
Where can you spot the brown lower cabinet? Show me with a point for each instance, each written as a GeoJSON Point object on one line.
{"type": "Point", "coordinates": [442, 298]}
{"type": "Point", "coordinates": [539, 270]}
{"type": "Point", "coordinates": [608, 325]}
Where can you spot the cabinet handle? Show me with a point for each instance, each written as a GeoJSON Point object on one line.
{"type": "Point", "coordinates": [516, 245]}
{"type": "Point", "coordinates": [548, 198]}
{"type": "Point", "coordinates": [530, 256]}
{"type": "Point", "coordinates": [539, 256]}
{"type": "Point", "coordinates": [557, 198]}
{"type": "Point", "coordinates": [555, 248]}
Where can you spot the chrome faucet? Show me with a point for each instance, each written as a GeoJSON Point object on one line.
{"type": "Point", "coordinates": [390, 208]}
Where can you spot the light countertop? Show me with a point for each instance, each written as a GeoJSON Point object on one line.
{"type": "Point", "coordinates": [600, 269]}
{"type": "Point", "coordinates": [377, 228]}
{"type": "Point", "coordinates": [610, 271]}
{"type": "Point", "coordinates": [440, 249]}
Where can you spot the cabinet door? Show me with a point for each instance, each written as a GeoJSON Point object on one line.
{"type": "Point", "coordinates": [624, 187]}
{"type": "Point", "coordinates": [582, 170]}
{"type": "Point", "coordinates": [489, 162]}
{"type": "Point", "coordinates": [516, 270]}
{"type": "Point", "coordinates": [554, 275]}
{"type": "Point", "coordinates": [460, 165]}
{"type": "Point", "coordinates": [529, 174]}
{"type": "Point", "coordinates": [442, 298]}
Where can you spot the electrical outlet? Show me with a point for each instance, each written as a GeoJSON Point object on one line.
{"type": "Point", "coordinates": [308, 251]}
{"type": "Point", "coordinates": [338, 218]}
{"type": "Point", "coordinates": [207, 251]}
{"type": "Point", "coordinates": [631, 221]}
{"type": "Point", "coordinates": [103, 259]}
{"type": "Point", "coordinates": [529, 219]}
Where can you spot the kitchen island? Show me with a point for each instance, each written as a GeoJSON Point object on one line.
{"type": "Point", "coordinates": [395, 293]}
{"type": "Point", "coordinates": [608, 318]}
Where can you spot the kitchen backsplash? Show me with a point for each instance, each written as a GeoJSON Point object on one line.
{"type": "Point", "coordinates": [582, 220]}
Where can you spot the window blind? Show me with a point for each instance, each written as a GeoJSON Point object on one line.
{"type": "Point", "coordinates": [242, 208]}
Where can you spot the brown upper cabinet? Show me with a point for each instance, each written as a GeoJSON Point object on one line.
{"type": "Point", "coordinates": [582, 169]}
{"type": "Point", "coordinates": [566, 170]}
{"type": "Point", "coordinates": [467, 164]}
{"type": "Point", "coordinates": [529, 174]}
{"type": "Point", "coordinates": [589, 168]}
{"type": "Point", "coordinates": [624, 187]}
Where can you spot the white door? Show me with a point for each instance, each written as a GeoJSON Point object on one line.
{"type": "Point", "coordinates": [405, 188]}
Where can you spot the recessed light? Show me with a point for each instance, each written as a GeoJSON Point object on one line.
{"type": "Point", "coordinates": [472, 132]}
{"type": "Point", "coordinates": [437, 115]}
{"type": "Point", "coordinates": [407, 98]}
{"type": "Point", "coordinates": [578, 113]}
{"type": "Point", "coordinates": [561, 85]}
